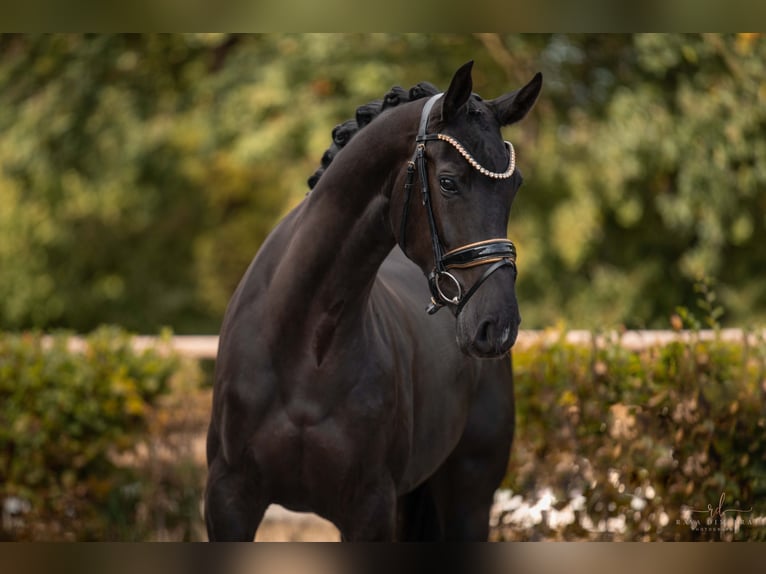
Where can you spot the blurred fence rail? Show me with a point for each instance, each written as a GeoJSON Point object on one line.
{"type": "Point", "coordinates": [206, 346]}
{"type": "Point", "coordinates": [638, 339]}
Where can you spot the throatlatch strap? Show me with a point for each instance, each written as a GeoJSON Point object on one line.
{"type": "Point", "coordinates": [406, 209]}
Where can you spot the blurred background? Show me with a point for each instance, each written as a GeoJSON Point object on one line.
{"type": "Point", "coordinates": [140, 173]}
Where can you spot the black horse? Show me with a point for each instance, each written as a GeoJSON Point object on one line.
{"type": "Point", "coordinates": [335, 392]}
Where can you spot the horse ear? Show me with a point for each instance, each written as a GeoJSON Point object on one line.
{"type": "Point", "coordinates": [459, 91]}
{"type": "Point", "coordinates": [512, 107]}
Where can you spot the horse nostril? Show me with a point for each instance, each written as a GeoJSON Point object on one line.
{"type": "Point", "coordinates": [492, 339]}
{"type": "Point", "coordinates": [483, 339]}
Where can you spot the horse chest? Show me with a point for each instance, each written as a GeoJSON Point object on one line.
{"type": "Point", "coordinates": [312, 443]}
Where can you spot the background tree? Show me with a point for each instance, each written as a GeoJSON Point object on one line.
{"type": "Point", "coordinates": [662, 184]}
{"type": "Point", "coordinates": [140, 173]}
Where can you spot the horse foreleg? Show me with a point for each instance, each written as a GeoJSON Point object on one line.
{"type": "Point", "coordinates": [371, 515]}
{"type": "Point", "coordinates": [461, 494]}
{"type": "Point", "coordinates": [418, 518]}
{"type": "Point", "coordinates": [463, 488]}
{"type": "Point", "coordinates": [234, 505]}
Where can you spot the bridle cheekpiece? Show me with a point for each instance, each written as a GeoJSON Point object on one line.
{"type": "Point", "coordinates": [496, 253]}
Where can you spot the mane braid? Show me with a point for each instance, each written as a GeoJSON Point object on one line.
{"type": "Point", "coordinates": [343, 132]}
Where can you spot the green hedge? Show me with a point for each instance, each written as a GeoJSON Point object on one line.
{"type": "Point", "coordinates": [71, 423]}
{"type": "Point", "coordinates": [627, 443]}
{"type": "Point", "coordinates": [95, 443]}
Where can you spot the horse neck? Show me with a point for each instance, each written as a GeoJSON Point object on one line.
{"type": "Point", "coordinates": [343, 233]}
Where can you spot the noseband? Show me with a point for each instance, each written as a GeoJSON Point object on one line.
{"type": "Point", "coordinates": [496, 253]}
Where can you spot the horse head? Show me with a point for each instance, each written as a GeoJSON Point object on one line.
{"type": "Point", "coordinates": [464, 178]}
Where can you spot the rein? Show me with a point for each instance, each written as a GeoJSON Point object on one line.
{"type": "Point", "coordinates": [497, 253]}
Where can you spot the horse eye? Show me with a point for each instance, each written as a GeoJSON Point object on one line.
{"type": "Point", "coordinates": [448, 185]}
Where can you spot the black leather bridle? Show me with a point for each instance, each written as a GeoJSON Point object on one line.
{"type": "Point", "coordinates": [496, 253]}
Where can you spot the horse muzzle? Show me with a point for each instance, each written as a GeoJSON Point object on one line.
{"type": "Point", "coordinates": [488, 326]}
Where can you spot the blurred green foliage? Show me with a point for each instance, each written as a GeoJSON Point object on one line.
{"type": "Point", "coordinates": [73, 423]}
{"type": "Point", "coordinates": [140, 173]}
{"type": "Point", "coordinates": [664, 184]}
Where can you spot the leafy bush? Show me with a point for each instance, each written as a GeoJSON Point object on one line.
{"type": "Point", "coordinates": [638, 444]}
{"type": "Point", "coordinates": [612, 442]}
{"type": "Point", "coordinates": [71, 424]}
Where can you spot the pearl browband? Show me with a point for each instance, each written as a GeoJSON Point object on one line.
{"type": "Point", "coordinates": [476, 165]}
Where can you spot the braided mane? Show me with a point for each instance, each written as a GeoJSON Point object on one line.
{"type": "Point", "coordinates": [342, 133]}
